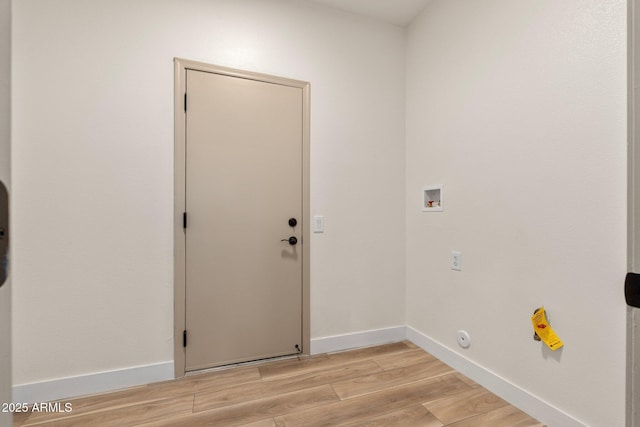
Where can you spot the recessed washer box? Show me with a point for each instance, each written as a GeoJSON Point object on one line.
{"type": "Point", "coordinates": [432, 198]}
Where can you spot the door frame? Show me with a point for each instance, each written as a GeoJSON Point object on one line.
{"type": "Point", "coordinates": [6, 418]}
{"type": "Point", "coordinates": [633, 212]}
{"type": "Point", "coordinates": [179, 308]}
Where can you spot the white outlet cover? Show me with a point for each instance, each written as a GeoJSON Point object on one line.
{"type": "Point", "coordinates": [464, 339]}
{"type": "Point", "coordinates": [456, 261]}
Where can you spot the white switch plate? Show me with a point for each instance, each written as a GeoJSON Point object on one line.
{"type": "Point", "coordinates": [456, 261]}
{"type": "Point", "coordinates": [318, 224]}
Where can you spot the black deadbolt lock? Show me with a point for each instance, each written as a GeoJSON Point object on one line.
{"type": "Point", "coordinates": [293, 222]}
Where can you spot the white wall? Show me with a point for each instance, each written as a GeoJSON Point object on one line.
{"type": "Point", "coordinates": [519, 109]}
{"type": "Point", "coordinates": [93, 167]}
{"type": "Point", "coordinates": [5, 175]}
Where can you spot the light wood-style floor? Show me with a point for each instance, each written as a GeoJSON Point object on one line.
{"type": "Point", "coordinates": [389, 385]}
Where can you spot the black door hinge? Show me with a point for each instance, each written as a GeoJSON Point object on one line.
{"type": "Point", "coordinates": [184, 338]}
{"type": "Point", "coordinates": [184, 220]}
{"type": "Point", "coordinates": [632, 289]}
{"type": "Point", "coordinates": [185, 102]}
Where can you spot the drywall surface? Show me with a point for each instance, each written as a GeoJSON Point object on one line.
{"type": "Point", "coordinates": [93, 118]}
{"type": "Point", "coordinates": [519, 109]}
{"type": "Point", "coordinates": [5, 177]}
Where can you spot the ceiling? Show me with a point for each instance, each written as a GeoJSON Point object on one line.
{"type": "Point", "coordinates": [397, 12]}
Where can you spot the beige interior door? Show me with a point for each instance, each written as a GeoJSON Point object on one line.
{"type": "Point", "coordinates": [243, 277]}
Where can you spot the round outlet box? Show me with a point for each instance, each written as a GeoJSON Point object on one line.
{"type": "Point", "coordinates": [464, 339]}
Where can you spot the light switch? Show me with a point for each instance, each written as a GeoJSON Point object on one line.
{"type": "Point", "coordinates": [318, 224]}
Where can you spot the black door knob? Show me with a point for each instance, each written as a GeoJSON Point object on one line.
{"type": "Point", "coordinates": [293, 222]}
{"type": "Point", "coordinates": [292, 240]}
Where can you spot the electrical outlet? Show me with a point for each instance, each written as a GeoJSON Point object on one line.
{"type": "Point", "coordinates": [456, 261]}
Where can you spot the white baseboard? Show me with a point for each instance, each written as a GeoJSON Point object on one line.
{"type": "Point", "coordinates": [92, 383]}
{"type": "Point", "coordinates": [532, 405]}
{"type": "Point", "coordinates": [114, 380]}
{"type": "Point", "coordinates": [358, 339]}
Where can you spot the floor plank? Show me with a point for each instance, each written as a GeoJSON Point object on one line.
{"type": "Point", "coordinates": [375, 404]}
{"type": "Point", "coordinates": [464, 405]}
{"type": "Point", "coordinates": [293, 367]}
{"type": "Point", "coordinates": [467, 380]}
{"type": "Point", "coordinates": [152, 392]}
{"type": "Point", "coordinates": [127, 416]}
{"type": "Point", "coordinates": [394, 384]}
{"type": "Point", "coordinates": [395, 377]}
{"type": "Point", "coordinates": [405, 359]}
{"type": "Point", "coordinates": [260, 409]}
{"type": "Point", "coordinates": [262, 423]}
{"type": "Point", "coordinates": [507, 416]}
{"type": "Point", "coordinates": [414, 416]}
{"type": "Point", "coordinates": [20, 418]}
{"type": "Point", "coordinates": [410, 344]}
{"type": "Point", "coordinates": [212, 399]}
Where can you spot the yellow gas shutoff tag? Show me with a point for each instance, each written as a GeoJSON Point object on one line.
{"type": "Point", "coordinates": [544, 331]}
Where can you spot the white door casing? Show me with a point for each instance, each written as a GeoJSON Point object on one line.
{"type": "Point", "coordinates": [633, 228]}
{"type": "Point", "coordinates": [5, 175]}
